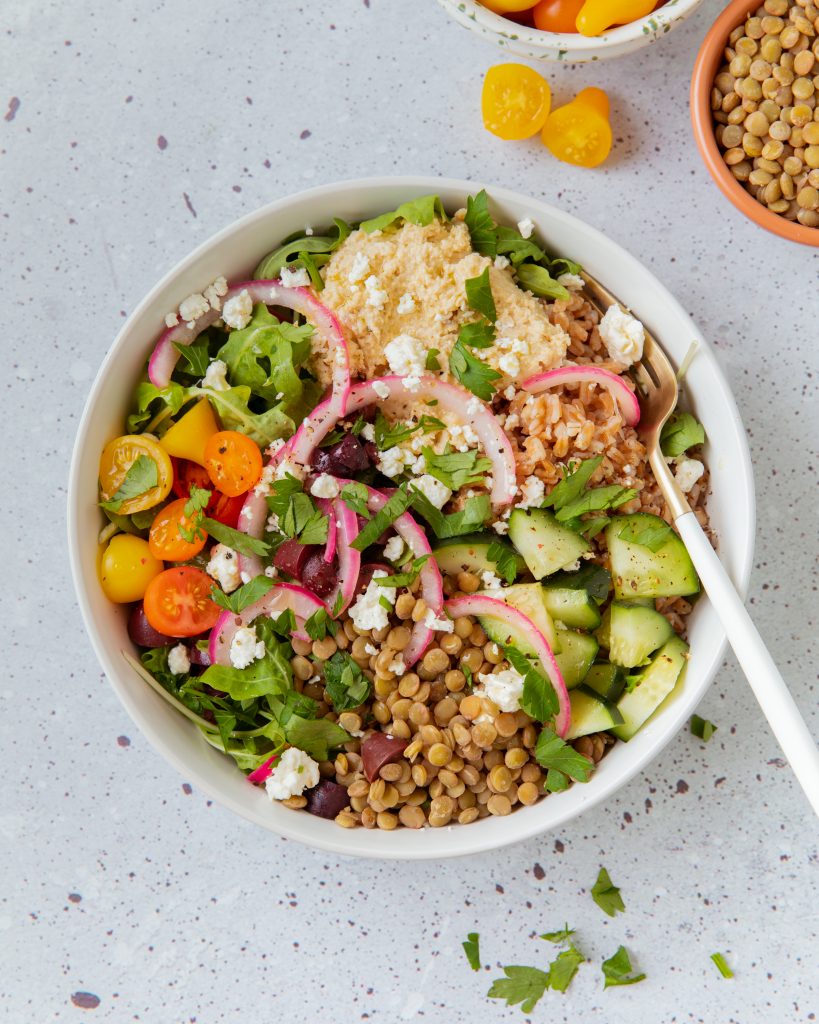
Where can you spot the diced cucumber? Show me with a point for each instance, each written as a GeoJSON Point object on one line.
{"type": "Point", "coordinates": [638, 571]}
{"type": "Point", "coordinates": [607, 680]}
{"type": "Point", "coordinates": [603, 631]}
{"type": "Point", "coordinates": [572, 607]}
{"type": "Point", "coordinates": [545, 545]}
{"type": "Point", "coordinates": [651, 687]}
{"type": "Point", "coordinates": [591, 713]}
{"type": "Point", "coordinates": [634, 632]}
{"type": "Point", "coordinates": [527, 598]}
{"type": "Point", "coordinates": [591, 577]}
{"type": "Point", "coordinates": [577, 652]}
{"type": "Point", "coordinates": [470, 554]}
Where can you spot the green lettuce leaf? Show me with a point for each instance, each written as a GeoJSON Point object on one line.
{"type": "Point", "coordinates": [421, 211]}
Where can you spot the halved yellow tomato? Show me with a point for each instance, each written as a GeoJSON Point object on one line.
{"type": "Point", "coordinates": [515, 101]}
{"type": "Point", "coordinates": [187, 437]}
{"type": "Point", "coordinates": [117, 458]}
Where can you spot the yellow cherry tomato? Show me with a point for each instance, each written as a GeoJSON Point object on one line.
{"type": "Point", "coordinates": [515, 101]}
{"type": "Point", "coordinates": [598, 15]}
{"type": "Point", "coordinates": [557, 15]}
{"type": "Point", "coordinates": [187, 437]}
{"type": "Point", "coordinates": [508, 6]}
{"type": "Point", "coordinates": [127, 567]}
{"type": "Point", "coordinates": [580, 133]}
{"type": "Point", "coordinates": [117, 458]}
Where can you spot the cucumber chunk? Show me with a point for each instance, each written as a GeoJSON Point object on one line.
{"type": "Point", "coordinates": [527, 598]}
{"type": "Point", "coordinates": [591, 713]}
{"type": "Point", "coordinates": [470, 554]}
{"type": "Point", "coordinates": [546, 546]}
{"type": "Point", "coordinates": [577, 652]}
{"type": "Point", "coordinates": [635, 632]}
{"type": "Point", "coordinates": [607, 680]}
{"type": "Point", "coordinates": [651, 687]}
{"type": "Point", "coordinates": [592, 578]}
{"type": "Point", "coordinates": [572, 607]}
{"type": "Point", "coordinates": [638, 571]}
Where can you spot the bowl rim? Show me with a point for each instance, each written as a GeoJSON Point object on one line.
{"type": "Point", "coordinates": [702, 80]}
{"type": "Point", "coordinates": [573, 44]}
{"type": "Point", "coordinates": [357, 842]}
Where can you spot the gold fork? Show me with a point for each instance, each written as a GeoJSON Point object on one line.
{"type": "Point", "coordinates": [658, 400]}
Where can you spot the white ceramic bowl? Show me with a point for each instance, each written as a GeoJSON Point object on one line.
{"type": "Point", "coordinates": [234, 252]}
{"type": "Point", "coordinates": [568, 48]}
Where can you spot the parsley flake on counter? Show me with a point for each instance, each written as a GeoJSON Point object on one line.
{"type": "Point", "coordinates": [617, 970]}
{"type": "Point", "coordinates": [142, 476]}
{"type": "Point", "coordinates": [472, 950]}
{"type": "Point", "coordinates": [524, 985]}
{"type": "Point", "coordinates": [563, 935]}
{"type": "Point", "coordinates": [563, 969]}
{"type": "Point", "coordinates": [702, 728]}
{"type": "Point", "coordinates": [722, 965]}
{"type": "Point", "coordinates": [606, 895]}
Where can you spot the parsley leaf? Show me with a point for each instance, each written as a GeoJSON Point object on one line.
{"type": "Point", "coordinates": [563, 969]}
{"type": "Point", "coordinates": [722, 965]}
{"type": "Point", "coordinates": [195, 356]}
{"type": "Point", "coordinates": [563, 935]}
{"type": "Point", "coordinates": [281, 491]}
{"type": "Point", "coordinates": [680, 432]}
{"type": "Point", "coordinates": [193, 511]}
{"type": "Point", "coordinates": [575, 478]}
{"type": "Point", "coordinates": [296, 511]}
{"type": "Point", "coordinates": [197, 500]}
{"type": "Point", "coordinates": [702, 728]}
{"type": "Point", "coordinates": [479, 295]}
{"type": "Point", "coordinates": [406, 578]}
{"type": "Point", "coordinates": [472, 372]}
{"type": "Point", "coordinates": [505, 559]}
{"type": "Point", "coordinates": [591, 577]}
{"type": "Point", "coordinates": [472, 950]}
{"type": "Point", "coordinates": [355, 497]}
{"type": "Point", "coordinates": [142, 476]}
{"type": "Point", "coordinates": [396, 506]}
{"type": "Point", "coordinates": [246, 595]}
{"type": "Point", "coordinates": [235, 539]}
{"type": "Point", "coordinates": [524, 985]}
{"type": "Point", "coordinates": [388, 435]}
{"type": "Point", "coordinates": [431, 362]}
{"type": "Point", "coordinates": [457, 469]}
{"type": "Point", "coordinates": [594, 500]}
{"type": "Point", "coordinates": [421, 211]}
{"type": "Point", "coordinates": [652, 536]}
{"type": "Point", "coordinates": [319, 625]}
{"type": "Point", "coordinates": [473, 515]}
{"type": "Point", "coordinates": [315, 737]}
{"type": "Point", "coordinates": [539, 699]}
{"type": "Point", "coordinates": [606, 895]}
{"type": "Point", "coordinates": [617, 970]}
{"type": "Point", "coordinates": [481, 225]}
{"type": "Point", "coordinates": [540, 282]}
{"type": "Point", "coordinates": [480, 334]}
{"type": "Point", "coordinates": [345, 682]}
{"type": "Point", "coordinates": [555, 754]}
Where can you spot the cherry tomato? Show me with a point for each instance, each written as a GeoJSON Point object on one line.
{"type": "Point", "coordinates": [187, 438]}
{"type": "Point", "coordinates": [177, 602]}
{"type": "Point", "coordinates": [598, 15]}
{"type": "Point", "coordinates": [233, 462]}
{"type": "Point", "coordinates": [515, 101]}
{"type": "Point", "coordinates": [127, 567]}
{"type": "Point", "coordinates": [579, 133]}
{"type": "Point", "coordinates": [508, 6]}
{"type": "Point", "coordinates": [166, 538]}
{"type": "Point", "coordinates": [117, 458]}
{"type": "Point", "coordinates": [222, 508]}
{"type": "Point", "coordinates": [557, 15]}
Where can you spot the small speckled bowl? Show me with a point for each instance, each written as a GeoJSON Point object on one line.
{"type": "Point", "coordinates": [706, 67]}
{"type": "Point", "coordinates": [568, 47]}
{"type": "Point", "coordinates": [234, 252]}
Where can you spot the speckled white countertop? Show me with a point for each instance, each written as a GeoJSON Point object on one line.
{"type": "Point", "coordinates": [131, 133]}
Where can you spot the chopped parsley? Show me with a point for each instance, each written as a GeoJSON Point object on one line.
{"type": "Point", "coordinates": [356, 496]}
{"type": "Point", "coordinates": [479, 295]}
{"type": "Point", "coordinates": [524, 985]}
{"type": "Point", "coordinates": [395, 507]}
{"type": "Point", "coordinates": [471, 517]}
{"type": "Point", "coordinates": [606, 895]}
{"type": "Point", "coordinates": [246, 595]}
{"type": "Point", "coordinates": [539, 699]}
{"type": "Point", "coordinates": [235, 539]}
{"type": "Point", "coordinates": [480, 334]}
{"type": "Point", "coordinates": [505, 559]}
{"type": "Point", "coordinates": [194, 512]}
{"type": "Point", "coordinates": [722, 965]}
{"type": "Point", "coordinates": [680, 432]}
{"type": "Point", "coordinates": [296, 511]}
{"type": "Point", "coordinates": [319, 625]}
{"type": "Point", "coordinates": [142, 476]}
{"type": "Point", "coordinates": [472, 372]}
{"type": "Point", "coordinates": [563, 935]}
{"type": "Point", "coordinates": [595, 499]}
{"type": "Point", "coordinates": [472, 950]}
{"type": "Point", "coordinates": [617, 970]}
{"type": "Point", "coordinates": [563, 969]}
{"type": "Point", "coordinates": [652, 536]}
{"type": "Point", "coordinates": [345, 682]}
{"type": "Point", "coordinates": [405, 578]}
{"type": "Point", "coordinates": [561, 760]}
{"type": "Point", "coordinates": [572, 497]}
{"type": "Point", "coordinates": [388, 435]}
{"type": "Point", "coordinates": [702, 728]}
{"type": "Point", "coordinates": [431, 362]}
{"type": "Point", "coordinates": [457, 469]}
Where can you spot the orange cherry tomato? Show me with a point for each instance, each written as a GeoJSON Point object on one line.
{"type": "Point", "coordinates": [220, 507]}
{"type": "Point", "coordinates": [580, 133]}
{"type": "Point", "coordinates": [515, 101]}
{"type": "Point", "coordinates": [557, 15]}
{"type": "Point", "coordinates": [166, 539]}
{"type": "Point", "coordinates": [177, 602]}
{"type": "Point", "coordinates": [117, 458]}
{"type": "Point", "coordinates": [508, 6]}
{"type": "Point", "coordinates": [233, 462]}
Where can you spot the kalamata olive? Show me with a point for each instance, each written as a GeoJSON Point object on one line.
{"type": "Point", "coordinates": [378, 750]}
{"type": "Point", "coordinates": [327, 799]}
{"type": "Point", "coordinates": [290, 557]}
{"type": "Point", "coordinates": [319, 576]}
{"type": "Point", "coordinates": [343, 458]}
{"type": "Point", "coordinates": [143, 633]}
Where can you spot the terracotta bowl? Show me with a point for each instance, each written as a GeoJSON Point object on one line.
{"type": "Point", "coordinates": [706, 66]}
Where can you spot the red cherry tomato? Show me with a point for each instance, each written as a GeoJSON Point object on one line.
{"type": "Point", "coordinates": [222, 508]}
{"type": "Point", "coordinates": [177, 602]}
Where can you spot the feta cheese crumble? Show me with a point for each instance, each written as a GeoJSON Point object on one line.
{"type": "Point", "coordinates": [623, 335]}
{"type": "Point", "coordinates": [298, 278]}
{"type": "Point", "coordinates": [171, 319]}
{"type": "Point", "coordinates": [509, 364]}
{"type": "Point", "coordinates": [193, 307]}
{"type": "Point", "coordinates": [501, 263]}
{"type": "Point", "coordinates": [294, 772]}
{"type": "Point", "coordinates": [394, 548]}
{"type": "Point", "coordinates": [443, 625]}
{"type": "Point", "coordinates": [391, 462]}
{"type": "Point", "coordinates": [503, 688]}
{"type": "Point", "coordinates": [397, 667]}
{"type": "Point", "coordinates": [573, 282]}
{"type": "Point", "coordinates": [532, 492]}
{"type": "Point", "coordinates": [490, 580]}
{"type": "Point", "coordinates": [245, 647]}
{"type": "Point", "coordinates": [238, 310]}
{"type": "Point", "coordinates": [687, 473]}
{"type": "Point", "coordinates": [368, 432]}
{"type": "Point", "coordinates": [324, 486]}
{"type": "Point", "coordinates": [526, 227]}
{"type": "Point", "coordinates": [368, 612]}
{"type": "Point", "coordinates": [216, 376]}
{"type": "Point", "coordinates": [360, 268]}
{"type": "Point", "coordinates": [381, 389]}
{"type": "Point", "coordinates": [406, 355]}
{"type": "Point", "coordinates": [376, 296]}
{"type": "Point", "coordinates": [406, 304]}
{"type": "Point", "coordinates": [178, 661]}
{"type": "Point", "coordinates": [434, 491]}
{"type": "Point", "coordinates": [214, 292]}
{"type": "Point", "coordinates": [224, 567]}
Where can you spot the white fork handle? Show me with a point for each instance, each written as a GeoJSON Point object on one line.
{"type": "Point", "coordinates": [755, 660]}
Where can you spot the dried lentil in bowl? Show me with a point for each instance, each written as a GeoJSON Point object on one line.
{"type": "Point", "coordinates": [764, 103]}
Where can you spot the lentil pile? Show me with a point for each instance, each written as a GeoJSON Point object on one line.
{"type": "Point", "coordinates": [765, 109]}
{"type": "Point", "coordinates": [465, 759]}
